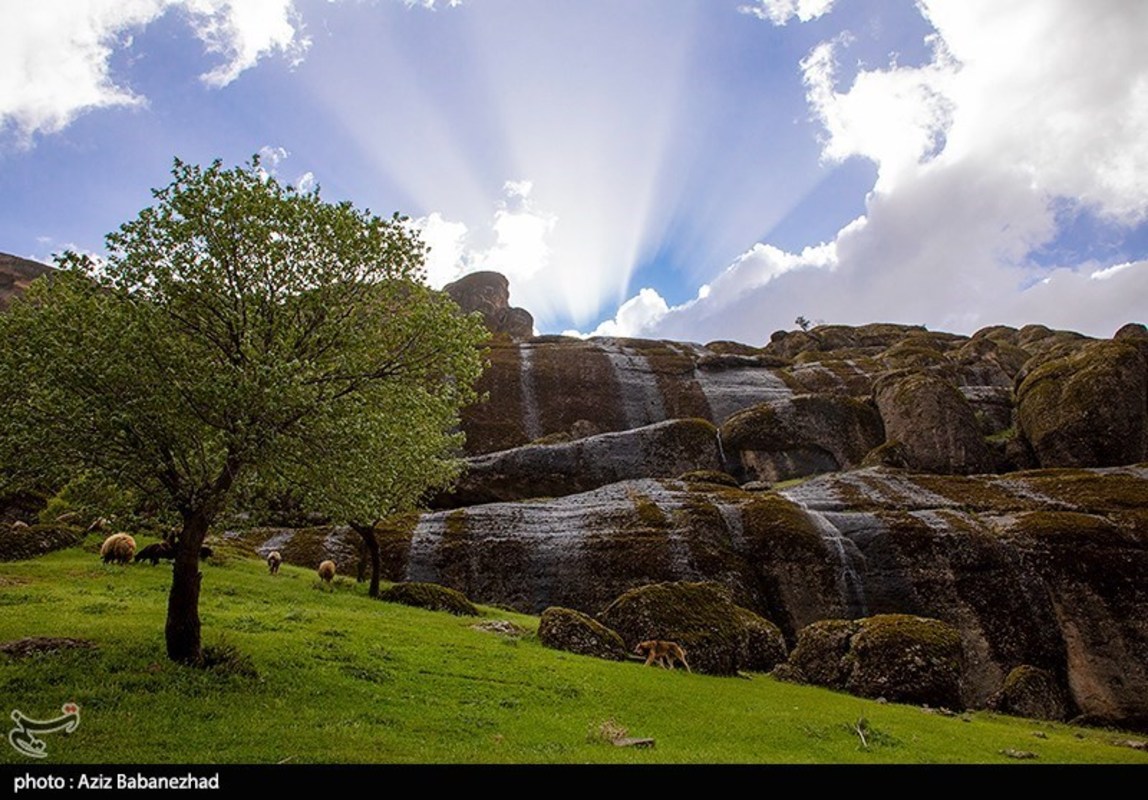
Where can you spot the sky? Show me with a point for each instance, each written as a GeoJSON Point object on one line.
{"type": "Point", "coordinates": [684, 169]}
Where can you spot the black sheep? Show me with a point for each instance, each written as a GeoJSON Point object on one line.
{"type": "Point", "coordinates": [154, 552]}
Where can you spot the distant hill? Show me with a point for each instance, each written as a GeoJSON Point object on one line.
{"type": "Point", "coordinates": [15, 275]}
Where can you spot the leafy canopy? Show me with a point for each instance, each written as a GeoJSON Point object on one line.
{"type": "Point", "coordinates": [241, 334]}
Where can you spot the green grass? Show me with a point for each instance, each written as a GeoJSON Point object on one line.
{"type": "Point", "coordinates": [332, 676]}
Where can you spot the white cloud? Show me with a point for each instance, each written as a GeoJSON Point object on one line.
{"type": "Point", "coordinates": [637, 315]}
{"type": "Point", "coordinates": [243, 31]}
{"type": "Point", "coordinates": [55, 63]}
{"type": "Point", "coordinates": [779, 12]}
{"type": "Point", "coordinates": [895, 117]}
{"type": "Point", "coordinates": [447, 241]}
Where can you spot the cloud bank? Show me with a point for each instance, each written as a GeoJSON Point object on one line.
{"type": "Point", "coordinates": [1028, 114]}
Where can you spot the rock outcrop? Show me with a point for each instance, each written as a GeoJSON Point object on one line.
{"type": "Point", "coordinates": [489, 294]}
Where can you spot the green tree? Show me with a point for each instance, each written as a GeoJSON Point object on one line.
{"type": "Point", "coordinates": [239, 334]}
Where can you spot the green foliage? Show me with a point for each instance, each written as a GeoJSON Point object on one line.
{"type": "Point", "coordinates": [241, 334]}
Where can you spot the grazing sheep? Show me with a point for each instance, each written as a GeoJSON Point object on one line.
{"type": "Point", "coordinates": [273, 561]}
{"type": "Point", "coordinates": [205, 553]}
{"type": "Point", "coordinates": [154, 552]}
{"type": "Point", "coordinates": [327, 571]}
{"type": "Point", "coordinates": [119, 547]}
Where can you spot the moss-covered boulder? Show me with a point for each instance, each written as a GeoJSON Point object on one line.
{"type": "Point", "coordinates": [902, 658]}
{"type": "Point", "coordinates": [802, 435]}
{"type": "Point", "coordinates": [1088, 408]}
{"type": "Point", "coordinates": [19, 542]}
{"type": "Point", "coordinates": [906, 659]}
{"type": "Point", "coordinates": [720, 637]}
{"type": "Point", "coordinates": [1033, 692]}
{"type": "Point", "coordinates": [575, 632]}
{"type": "Point", "coordinates": [430, 596]}
{"type": "Point", "coordinates": [933, 422]}
{"type": "Point", "coordinates": [819, 657]}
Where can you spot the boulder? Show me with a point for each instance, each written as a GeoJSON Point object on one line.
{"type": "Point", "coordinates": [19, 541]}
{"type": "Point", "coordinates": [906, 659]}
{"type": "Point", "coordinates": [933, 423]}
{"type": "Point", "coordinates": [819, 657]}
{"type": "Point", "coordinates": [575, 632]}
{"type": "Point", "coordinates": [430, 596]}
{"type": "Point", "coordinates": [903, 658]}
{"type": "Point", "coordinates": [489, 294]}
{"type": "Point", "coordinates": [799, 436]}
{"type": "Point", "coordinates": [1033, 692]}
{"type": "Point", "coordinates": [720, 637]}
{"type": "Point", "coordinates": [1088, 408]}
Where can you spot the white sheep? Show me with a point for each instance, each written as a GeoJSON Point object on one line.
{"type": "Point", "coordinates": [327, 571]}
{"type": "Point", "coordinates": [119, 547]}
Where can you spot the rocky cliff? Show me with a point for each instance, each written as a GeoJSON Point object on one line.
{"type": "Point", "coordinates": [995, 482]}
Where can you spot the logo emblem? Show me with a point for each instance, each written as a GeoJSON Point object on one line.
{"type": "Point", "coordinates": [23, 736]}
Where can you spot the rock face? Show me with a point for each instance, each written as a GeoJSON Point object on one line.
{"type": "Point", "coordinates": [663, 450]}
{"type": "Point", "coordinates": [575, 632]}
{"type": "Point", "coordinates": [15, 275]}
{"type": "Point", "coordinates": [719, 637]}
{"type": "Point", "coordinates": [489, 294]}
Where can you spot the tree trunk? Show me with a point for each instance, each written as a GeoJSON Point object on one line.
{"type": "Point", "coordinates": [183, 626]}
{"type": "Point", "coordinates": [372, 543]}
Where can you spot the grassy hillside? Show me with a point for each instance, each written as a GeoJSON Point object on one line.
{"type": "Point", "coordinates": [318, 675]}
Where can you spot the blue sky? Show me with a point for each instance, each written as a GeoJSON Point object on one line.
{"type": "Point", "coordinates": [695, 169]}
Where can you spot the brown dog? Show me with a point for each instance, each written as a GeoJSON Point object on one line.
{"type": "Point", "coordinates": [662, 653]}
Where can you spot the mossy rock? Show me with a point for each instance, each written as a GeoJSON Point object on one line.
{"type": "Point", "coordinates": [933, 422]}
{"type": "Point", "coordinates": [709, 476]}
{"type": "Point", "coordinates": [720, 638]}
{"type": "Point", "coordinates": [575, 632]}
{"type": "Point", "coordinates": [430, 596]}
{"type": "Point", "coordinates": [819, 655]}
{"type": "Point", "coordinates": [803, 435]}
{"type": "Point", "coordinates": [906, 659]}
{"type": "Point", "coordinates": [1088, 408]}
{"type": "Point", "coordinates": [1032, 692]}
{"type": "Point", "coordinates": [18, 543]}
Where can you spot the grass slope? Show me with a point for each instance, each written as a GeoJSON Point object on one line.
{"type": "Point", "coordinates": [333, 676]}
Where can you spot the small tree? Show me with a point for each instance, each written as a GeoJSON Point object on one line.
{"type": "Point", "coordinates": [239, 334]}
